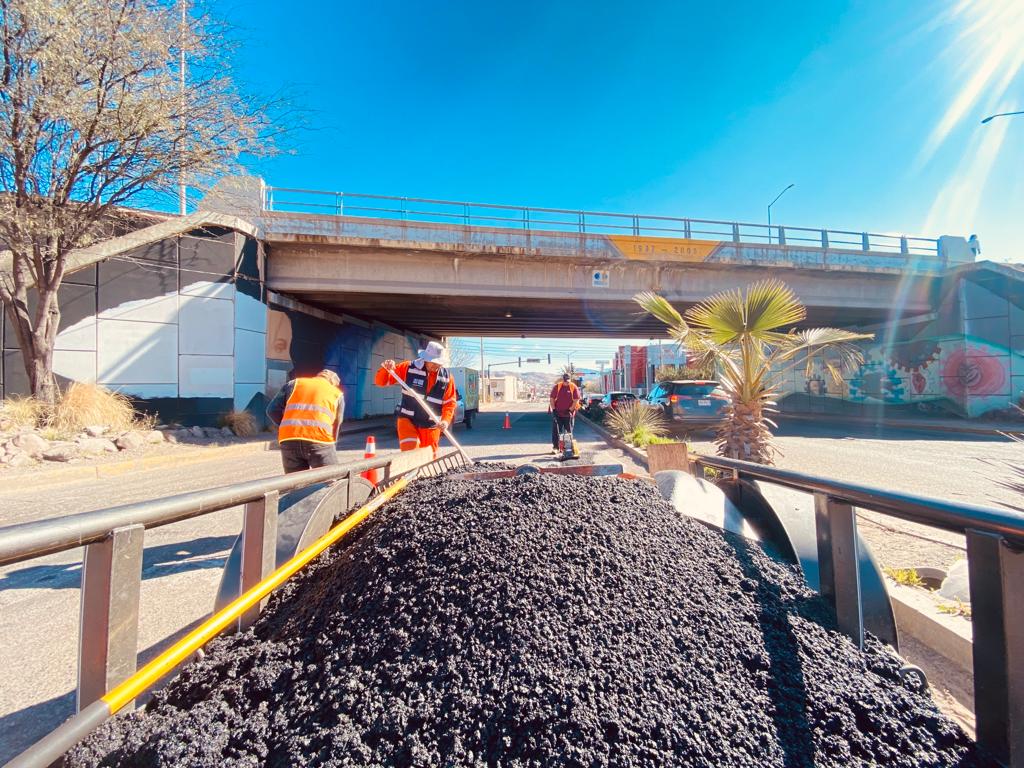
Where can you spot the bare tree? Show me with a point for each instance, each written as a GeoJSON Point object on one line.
{"type": "Point", "coordinates": [462, 357]}
{"type": "Point", "coordinates": [97, 113]}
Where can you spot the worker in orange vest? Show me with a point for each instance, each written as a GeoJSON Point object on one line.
{"type": "Point", "coordinates": [308, 413]}
{"type": "Point", "coordinates": [428, 377]}
{"type": "Point", "coordinates": [564, 401]}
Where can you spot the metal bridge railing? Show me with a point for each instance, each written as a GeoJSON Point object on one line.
{"type": "Point", "coordinates": [418, 209]}
{"type": "Point", "coordinates": [995, 563]}
{"type": "Point", "coordinates": [114, 542]}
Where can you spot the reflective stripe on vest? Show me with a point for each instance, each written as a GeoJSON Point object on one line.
{"type": "Point", "coordinates": [416, 378]}
{"type": "Point", "coordinates": [310, 412]}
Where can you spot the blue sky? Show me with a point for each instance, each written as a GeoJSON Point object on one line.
{"type": "Point", "coordinates": [872, 109]}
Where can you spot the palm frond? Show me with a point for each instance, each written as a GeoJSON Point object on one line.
{"type": "Point", "coordinates": [836, 342]}
{"type": "Point", "coordinates": [656, 305]}
{"type": "Point", "coordinates": [771, 304]}
{"type": "Point", "coordinates": [721, 317]}
{"type": "Point", "coordinates": [764, 307]}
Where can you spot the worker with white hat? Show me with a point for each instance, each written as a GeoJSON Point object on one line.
{"type": "Point", "coordinates": [431, 380]}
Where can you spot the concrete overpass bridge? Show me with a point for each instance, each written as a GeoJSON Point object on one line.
{"type": "Point", "coordinates": [456, 268]}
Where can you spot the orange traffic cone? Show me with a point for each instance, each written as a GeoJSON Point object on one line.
{"type": "Point", "coordinates": [370, 453]}
{"type": "Point", "coordinates": [508, 422]}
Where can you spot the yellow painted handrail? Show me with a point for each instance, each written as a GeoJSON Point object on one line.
{"type": "Point", "coordinates": [164, 663]}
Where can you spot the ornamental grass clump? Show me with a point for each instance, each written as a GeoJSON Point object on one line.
{"type": "Point", "coordinates": [636, 423]}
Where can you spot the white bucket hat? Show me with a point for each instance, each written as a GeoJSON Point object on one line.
{"type": "Point", "coordinates": [434, 353]}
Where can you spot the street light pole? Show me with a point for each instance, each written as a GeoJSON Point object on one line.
{"type": "Point", "coordinates": [773, 202]}
{"type": "Point", "coordinates": [1000, 114]}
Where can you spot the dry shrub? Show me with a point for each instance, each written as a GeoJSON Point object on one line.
{"type": "Point", "coordinates": [636, 420]}
{"type": "Point", "coordinates": [83, 405]}
{"type": "Point", "coordinates": [242, 423]}
{"type": "Point", "coordinates": [22, 411]}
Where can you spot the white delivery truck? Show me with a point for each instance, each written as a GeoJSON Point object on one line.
{"type": "Point", "coordinates": [467, 387]}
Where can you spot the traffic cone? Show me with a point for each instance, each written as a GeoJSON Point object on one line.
{"type": "Point", "coordinates": [508, 422]}
{"type": "Point", "coordinates": [371, 453]}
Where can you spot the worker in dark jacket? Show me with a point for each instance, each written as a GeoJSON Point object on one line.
{"type": "Point", "coordinates": [427, 376]}
{"type": "Point", "coordinates": [563, 403]}
{"type": "Point", "coordinates": [308, 413]}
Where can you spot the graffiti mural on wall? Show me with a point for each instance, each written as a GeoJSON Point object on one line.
{"type": "Point", "coordinates": [966, 357]}
{"type": "Point", "coordinates": [964, 375]}
{"type": "Point", "coordinates": [300, 344]}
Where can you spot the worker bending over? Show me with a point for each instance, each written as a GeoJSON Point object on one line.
{"type": "Point", "coordinates": [427, 376]}
{"type": "Point", "coordinates": [308, 413]}
{"type": "Point", "coordinates": [564, 401]}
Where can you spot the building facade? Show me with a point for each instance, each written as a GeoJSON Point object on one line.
{"type": "Point", "coordinates": [177, 317]}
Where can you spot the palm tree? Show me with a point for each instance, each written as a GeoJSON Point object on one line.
{"type": "Point", "coordinates": [739, 333]}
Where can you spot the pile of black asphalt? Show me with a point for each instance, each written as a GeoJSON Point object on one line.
{"type": "Point", "coordinates": [537, 621]}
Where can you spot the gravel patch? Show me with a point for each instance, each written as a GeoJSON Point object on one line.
{"type": "Point", "coordinates": [536, 621]}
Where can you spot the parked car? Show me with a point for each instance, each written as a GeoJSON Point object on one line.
{"type": "Point", "coordinates": [614, 400]}
{"type": "Point", "coordinates": [591, 399]}
{"type": "Point", "coordinates": [697, 404]}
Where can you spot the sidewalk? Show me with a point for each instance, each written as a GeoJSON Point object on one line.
{"type": "Point", "coordinates": [954, 425]}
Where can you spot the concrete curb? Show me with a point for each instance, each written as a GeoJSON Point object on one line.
{"type": "Point", "coordinates": [51, 477]}
{"type": "Point", "coordinates": [636, 453]}
{"type": "Point", "coordinates": [917, 615]}
{"type": "Point", "coordinates": [966, 429]}
{"type": "Point", "coordinates": [63, 475]}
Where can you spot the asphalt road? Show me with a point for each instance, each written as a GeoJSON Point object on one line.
{"type": "Point", "coordinates": [182, 564]}
{"type": "Point", "coordinates": [39, 600]}
{"type": "Point", "coordinates": [954, 467]}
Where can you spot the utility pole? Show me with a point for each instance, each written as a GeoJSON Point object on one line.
{"type": "Point", "coordinates": [481, 354]}
{"type": "Point", "coordinates": [182, 207]}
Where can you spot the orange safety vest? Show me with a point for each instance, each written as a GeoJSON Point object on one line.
{"type": "Point", "coordinates": [310, 412]}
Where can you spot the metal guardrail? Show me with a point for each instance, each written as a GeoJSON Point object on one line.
{"type": "Point", "coordinates": [112, 564]}
{"type": "Point", "coordinates": [419, 209]}
{"type": "Point", "coordinates": [995, 562]}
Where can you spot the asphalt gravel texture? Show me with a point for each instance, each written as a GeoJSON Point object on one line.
{"type": "Point", "coordinates": [537, 621]}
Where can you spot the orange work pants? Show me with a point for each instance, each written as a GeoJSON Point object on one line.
{"type": "Point", "coordinates": [411, 437]}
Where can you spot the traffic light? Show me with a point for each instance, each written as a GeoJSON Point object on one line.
{"type": "Point", "coordinates": [520, 362]}
{"type": "Point", "coordinates": [549, 358]}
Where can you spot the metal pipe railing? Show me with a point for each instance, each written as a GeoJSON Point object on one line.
{"type": "Point", "coordinates": [936, 513]}
{"type": "Point", "coordinates": [43, 537]}
{"type": "Point", "coordinates": [484, 214]}
{"type": "Point", "coordinates": [113, 539]}
{"type": "Point", "coordinates": [995, 567]}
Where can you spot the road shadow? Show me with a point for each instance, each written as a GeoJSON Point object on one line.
{"type": "Point", "coordinates": [208, 552]}
{"type": "Point", "coordinates": [19, 730]}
